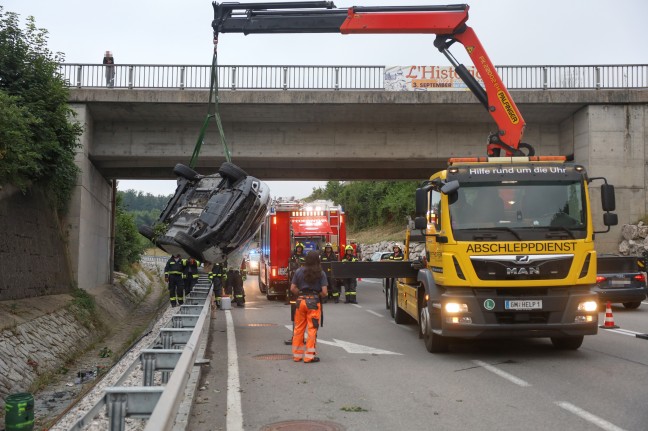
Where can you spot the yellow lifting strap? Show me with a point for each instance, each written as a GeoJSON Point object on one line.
{"type": "Point", "coordinates": [213, 95]}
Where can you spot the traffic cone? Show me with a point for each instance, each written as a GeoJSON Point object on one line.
{"type": "Point", "coordinates": [609, 319]}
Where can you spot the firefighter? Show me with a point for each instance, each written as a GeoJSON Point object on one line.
{"type": "Point", "coordinates": [173, 275]}
{"type": "Point", "coordinates": [398, 252]}
{"type": "Point", "coordinates": [297, 259]}
{"type": "Point", "coordinates": [190, 274]}
{"type": "Point", "coordinates": [309, 286]}
{"type": "Point", "coordinates": [234, 285]}
{"type": "Point", "coordinates": [329, 256]}
{"type": "Point", "coordinates": [350, 284]}
{"type": "Point", "coordinates": [217, 276]}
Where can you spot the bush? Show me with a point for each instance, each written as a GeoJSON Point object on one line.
{"type": "Point", "coordinates": [129, 244]}
{"type": "Point", "coordinates": [37, 140]}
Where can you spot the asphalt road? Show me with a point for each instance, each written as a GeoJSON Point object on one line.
{"type": "Point", "coordinates": [376, 375]}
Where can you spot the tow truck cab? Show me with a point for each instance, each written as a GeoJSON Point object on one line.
{"type": "Point", "coordinates": [509, 252]}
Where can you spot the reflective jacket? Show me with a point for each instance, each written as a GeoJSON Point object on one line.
{"type": "Point", "coordinates": [189, 269]}
{"type": "Point", "coordinates": [399, 256]}
{"type": "Point", "coordinates": [217, 271]}
{"type": "Point", "coordinates": [174, 267]}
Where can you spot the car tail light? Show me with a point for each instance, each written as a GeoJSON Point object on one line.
{"type": "Point", "coordinates": [640, 277]}
{"type": "Point", "coordinates": [600, 278]}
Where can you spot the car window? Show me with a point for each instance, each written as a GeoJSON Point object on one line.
{"type": "Point", "coordinates": [616, 264]}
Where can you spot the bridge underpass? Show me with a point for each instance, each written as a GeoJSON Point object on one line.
{"type": "Point", "coordinates": [343, 135]}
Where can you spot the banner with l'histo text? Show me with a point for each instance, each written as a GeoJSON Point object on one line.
{"type": "Point", "coordinates": [426, 78]}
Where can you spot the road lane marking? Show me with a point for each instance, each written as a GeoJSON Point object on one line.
{"type": "Point", "coordinates": [595, 420]}
{"type": "Point", "coordinates": [371, 281]}
{"type": "Point", "coordinates": [374, 313]}
{"type": "Point", "coordinates": [623, 331]}
{"type": "Point", "coordinates": [234, 411]}
{"type": "Point", "coordinates": [357, 306]}
{"type": "Point", "coordinates": [350, 347]}
{"type": "Point", "coordinates": [510, 377]}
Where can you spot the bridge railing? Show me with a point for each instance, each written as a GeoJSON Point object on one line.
{"type": "Point", "coordinates": [135, 76]}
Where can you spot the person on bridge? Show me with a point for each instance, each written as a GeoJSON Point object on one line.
{"type": "Point", "coordinates": [309, 285]}
{"type": "Point", "coordinates": [109, 62]}
{"type": "Point", "coordinates": [350, 284]}
{"type": "Point", "coordinates": [173, 275]}
{"type": "Point", "coordinates": [190, 274]}
{"type": "Point", "coordinates": [329, 256]}
{"type": "Point", "coordinates": [217, 276]}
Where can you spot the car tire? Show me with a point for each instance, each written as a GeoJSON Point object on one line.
{"type": "Point", "coordinates": [567, 343]}
{"type": "Point", "coordinates": [185, 172]}
{"type": "Point", "coordinates": [231, 171]}
{"type": "Point", "coordinates": [146, 231]}
{"type": "Point", "coordinates": [632, 305]}
{"type": "Point", "coordinates": [188, 244]}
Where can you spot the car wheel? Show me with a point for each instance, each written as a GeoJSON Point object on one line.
{"type": "Point", "coordinates": [231, 171]}
{"type": "Point", "coordinates": [188, 244]}
{"type": "Point", "coordinates": [632, 305]}
{"type": "Point", "coordinates": [567, 343]}
{"type": "Point", "coordinates": [146, 231]}
{"type": "Point", "coordinates": [185, 172]}
{"type": "Point", "coordinates": [434, 343]}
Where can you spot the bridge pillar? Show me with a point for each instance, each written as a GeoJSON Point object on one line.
{"type": "Point", "coordinates": [89, 221]}
{"type": "Point", "coordinates": [610, 141]}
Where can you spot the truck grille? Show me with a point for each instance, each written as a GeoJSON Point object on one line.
{"type": "Point", "coordinates": [512, 318]}
{"type": "Point", "coordinates": [507, 270]}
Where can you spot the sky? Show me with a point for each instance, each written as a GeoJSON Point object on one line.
{"type": "Point", "coordinates": [513, 32]}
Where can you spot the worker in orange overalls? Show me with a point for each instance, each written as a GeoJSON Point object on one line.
{"type": "Point", "coordinates": [310, 286]}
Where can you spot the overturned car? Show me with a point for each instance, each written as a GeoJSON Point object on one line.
{"type": "Point", "coordinates": [209, 216]}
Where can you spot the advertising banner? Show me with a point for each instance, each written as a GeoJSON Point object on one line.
{"type": "Point", "coordinates": [426, 78]}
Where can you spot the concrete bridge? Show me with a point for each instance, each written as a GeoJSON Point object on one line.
{"type": "Point", "coordinates": [344, 135]}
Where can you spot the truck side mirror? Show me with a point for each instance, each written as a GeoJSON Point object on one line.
{"type": "Point", "coordinates": [420, 223]}
{"type": "Point", "coordinates": [610, 219]}
{"type": "Point", "coordinates": [608, 201]}
{"type": "Point", "coordinates": [450, 187]}
{"type": "Point", "coordinates": [421, 202]}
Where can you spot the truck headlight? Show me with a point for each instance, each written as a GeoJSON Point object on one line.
{"type": "Point", "coordinates": [588, 306]}
{"type": "Point", "coordinates": [455, 307]}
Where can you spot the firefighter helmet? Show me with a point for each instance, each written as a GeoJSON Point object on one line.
{"type": "Point", "coordinates": [348, 248]}
{"type": "Point", "coordinates": [397, 245]}
{"type": "Point", "coordinates": [299, 244]}
{"type": "Point", "coordinates": [328, 244]}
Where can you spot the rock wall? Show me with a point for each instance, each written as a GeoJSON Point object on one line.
{"type": "Point", "coordinates": [33, 255]}
{"type": "Point", "coordinates": [635, 239]}
{"type": "Point", "coordinates": [38, 346]}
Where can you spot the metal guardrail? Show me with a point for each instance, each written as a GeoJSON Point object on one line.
{"type": "Point", "coordinates": [159, 404]}
{"type": "Point", "coordinates": [138, 76]}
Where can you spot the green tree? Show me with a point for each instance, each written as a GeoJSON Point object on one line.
{"type": "Point", "coordinates": [37, 138]}
{"type": "Point", "coordinates": [129, 244]}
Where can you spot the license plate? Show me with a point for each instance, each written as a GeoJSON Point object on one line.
{"type": "Point", "coordinates": [619, 282]}
{"type": "Point", "coordinates": [283, 271]}
{"type": "Point", "coordinates": [527, 304]}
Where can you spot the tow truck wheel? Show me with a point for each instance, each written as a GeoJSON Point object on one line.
{"type": "Point", "coordinates": [399, 315]}
{"type": "Point", "coordinates": [568, 343]}
{"type": "Point", "coordinates": [434, 343]}
{"type": "Point", "coordinates": [388, 294]}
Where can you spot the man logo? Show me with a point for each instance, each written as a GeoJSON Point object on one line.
{"type": "Point", "coordinates": [530, 270]}
{"type": "Point", "coordinates": [521, 259]}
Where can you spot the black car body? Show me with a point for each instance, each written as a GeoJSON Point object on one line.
{"type": "Point", "coordinates": [210, 216]}
{"type": "Point", "coordinates": [620, 280]}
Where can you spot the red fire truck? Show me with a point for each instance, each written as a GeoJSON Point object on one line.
{"type": "Point", "coordinates": [289, 222]}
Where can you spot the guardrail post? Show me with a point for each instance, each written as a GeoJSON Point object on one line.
{"type": "Point", "coordinates": [182, 78]}
{"type": "Point", "coordinates": [233, 81]}
{"type": "Point", "coordinates": [284, 78]}
{"type": "Point", "coordinates": [597, 77]}
{"type": "Point", "coordinates": [544, 78]}
{"type": "Point", "coordinates": [79, 72]}
{"type": "Point", "coordinates": [130, 77]}
{"type": "Point", "coordinates": [148, 367]}
{"type": "Point", "coordinates": [116, 411]}
{"type": "Point", "coordinates": [337, 78]}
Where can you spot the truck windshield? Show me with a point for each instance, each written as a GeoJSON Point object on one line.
{"type": "Point", "coordinates": [518, 210]}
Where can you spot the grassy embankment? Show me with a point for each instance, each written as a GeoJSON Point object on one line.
{"type": "Point", "coordinates": [389, 232]}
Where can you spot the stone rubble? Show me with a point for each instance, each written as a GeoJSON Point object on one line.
{"type": "Point", "coordinates": [635, 239]}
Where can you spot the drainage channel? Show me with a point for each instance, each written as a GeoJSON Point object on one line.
{"type": "Point", "coordinates": [149, 393]}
